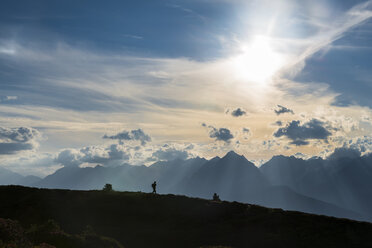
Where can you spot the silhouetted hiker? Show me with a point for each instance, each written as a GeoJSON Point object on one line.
{"type": "Point", "coordinates": [154, 187]}
{"type": "Point", "coordinates": [216, 197]}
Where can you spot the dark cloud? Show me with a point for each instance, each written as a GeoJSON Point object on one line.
{"type": "Point", "coordinates": [222, 134]}
{"type": "Point", "coordinates": [344, 152]}
{"type": "Point", "coordinates": [300, 134]}
{"type": "Point", "coordinates": [169, 154]}
{"type": "Point", "coordinates": [238, 112]}
{"type": "Point", "coordinates": [282, 110]}
{"type": "Point", "coordinates": [13, 140]}
{"type": "Point", "coordinates": [21, 134]}
{"type": "Point", "coordinates": [11, 148]}
{"type": "Point", "coordinates": [137, 134]}
{"type": "Point", "coordinates": [245, 130]}
{"type": "Point", "coordinates": [278, 123]}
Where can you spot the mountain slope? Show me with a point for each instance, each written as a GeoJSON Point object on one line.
{"type": "Point", "coordinates": [233, 177]}
{"type": "Point", "coordinates": [345, 182]}
{"type": "Point", "coordinates": [147, 220]}
{"type": "Point", "coordinates": [8, 177]}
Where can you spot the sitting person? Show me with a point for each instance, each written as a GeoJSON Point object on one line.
{"type": "Point", "coordinates": [216, 197]}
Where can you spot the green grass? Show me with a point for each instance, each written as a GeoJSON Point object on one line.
{"type": "Point", "coordinates": [147, 220]}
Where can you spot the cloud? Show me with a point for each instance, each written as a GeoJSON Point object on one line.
{"type": "Point", "coordinates": [222, 134]}
{"type": "Point", "coordinates": [170, 153]}
{"type": "Point", "coordinates": [300, 134]}
{"type": "Point", "coordinates": [31, 163]}
{"type": "Point", "coordinates": [114, 154]}
{"type": "Point", "coordinates": [8, 98]}
{"type": "Point", "coordinates": [245, 130]}
{"type": "Point", "coordinates": [136, 37]}
{"type": "Point", "coordinates": [344, 152]}
{"type": "Point", "coordinates": [137, 134]}
{"type": "Point", "coordinates": [332, 31]}
{"type": "Point", "coordinates": [278, 123]}
{"type": "Point", "coordinates": [13, 140]}
{"type": "Point", "coordinates": [69, 158]}
{"type": "Point", "coordinates": [270, 144]}
{"type": "Point", "coordinates": [238, 112]}
{"type": "Point", "coordinates": [282, 110]}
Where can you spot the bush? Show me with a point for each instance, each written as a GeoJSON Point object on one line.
{"type": "Point", "coordinates": [107, 187]}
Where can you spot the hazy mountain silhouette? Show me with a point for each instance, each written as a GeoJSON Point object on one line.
{"type": "Point", "coordinates": [343, 181]}
{"type": "Point", "coordinates": [233, 177]}
{"type": "Point", "coordinates": [8, 177]}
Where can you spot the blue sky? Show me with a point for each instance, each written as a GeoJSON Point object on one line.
{"type": "Point", "coordinates": [72, 72]}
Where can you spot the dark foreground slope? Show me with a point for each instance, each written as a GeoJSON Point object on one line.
{"type": "Point", "coordinates": [146, 220]}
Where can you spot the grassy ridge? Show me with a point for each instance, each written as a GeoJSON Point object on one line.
{"type": "Point", "coordinates": [147, 220]}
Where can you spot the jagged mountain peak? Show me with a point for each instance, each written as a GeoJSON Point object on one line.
{"type": "Point", "coordinates": [233, 155]}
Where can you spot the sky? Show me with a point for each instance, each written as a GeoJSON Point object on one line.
{"type": "Point", "coordinates": [92, 82]}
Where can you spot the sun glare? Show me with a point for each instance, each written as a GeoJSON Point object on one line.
{"type": "Point", "coordinates": [258, 62]}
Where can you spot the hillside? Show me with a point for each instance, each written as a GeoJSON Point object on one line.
{"type": "Point", "coordinates": [138, 219]}
{"type": "Point", "coordinates": [234, 178]}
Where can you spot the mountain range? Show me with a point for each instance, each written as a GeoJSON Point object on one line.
{"type": "Point", "coordinates": [10, 177]}
{"type": "Point", "coordinates": [338, 186]}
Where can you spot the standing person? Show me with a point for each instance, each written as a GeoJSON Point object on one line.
{"type": "Point", "coordinates": [154, 187]}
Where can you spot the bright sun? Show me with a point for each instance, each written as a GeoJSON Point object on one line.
{"type": "Point", "coordinates": [258, 61]}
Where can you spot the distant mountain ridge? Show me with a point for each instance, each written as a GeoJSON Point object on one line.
{"type": "Point", "coordinates": [9, 177]}
{"type": "Point", "coordinates": [342, 181]}
{"type": "Point", "coordinates": [315, 186]}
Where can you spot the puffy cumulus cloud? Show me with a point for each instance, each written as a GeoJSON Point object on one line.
{"type": "Point", "coordinates": [113, 154]}
{"type": "Point", "coordinates": [137, 134]}
{"type": "Point", "coordinates": [301, 134]}
{"type": "Point", "coordinates": [68, 157]}
{"type": "Point", "coordinates": [44, 164]}
{"type": "Point", "coordinates": [21, 134]}
{"type": "Point", "coordinates": [238, 112]}
{"type": "Point", "coordinates": [170, 153]}
{"type": "Point", "coordinates": [118, 154]}
{"type": "Point", "coordinates": [282, 110]}
{"type": "Point", "coordinates": [13, 140]}
{"type": "Point", "coordinates": [363, 144]}
{"type": "Point", "coordinates": [219, 134]}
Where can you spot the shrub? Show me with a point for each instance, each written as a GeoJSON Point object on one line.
{"type": "Point", "coordinates": [107, 187]}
